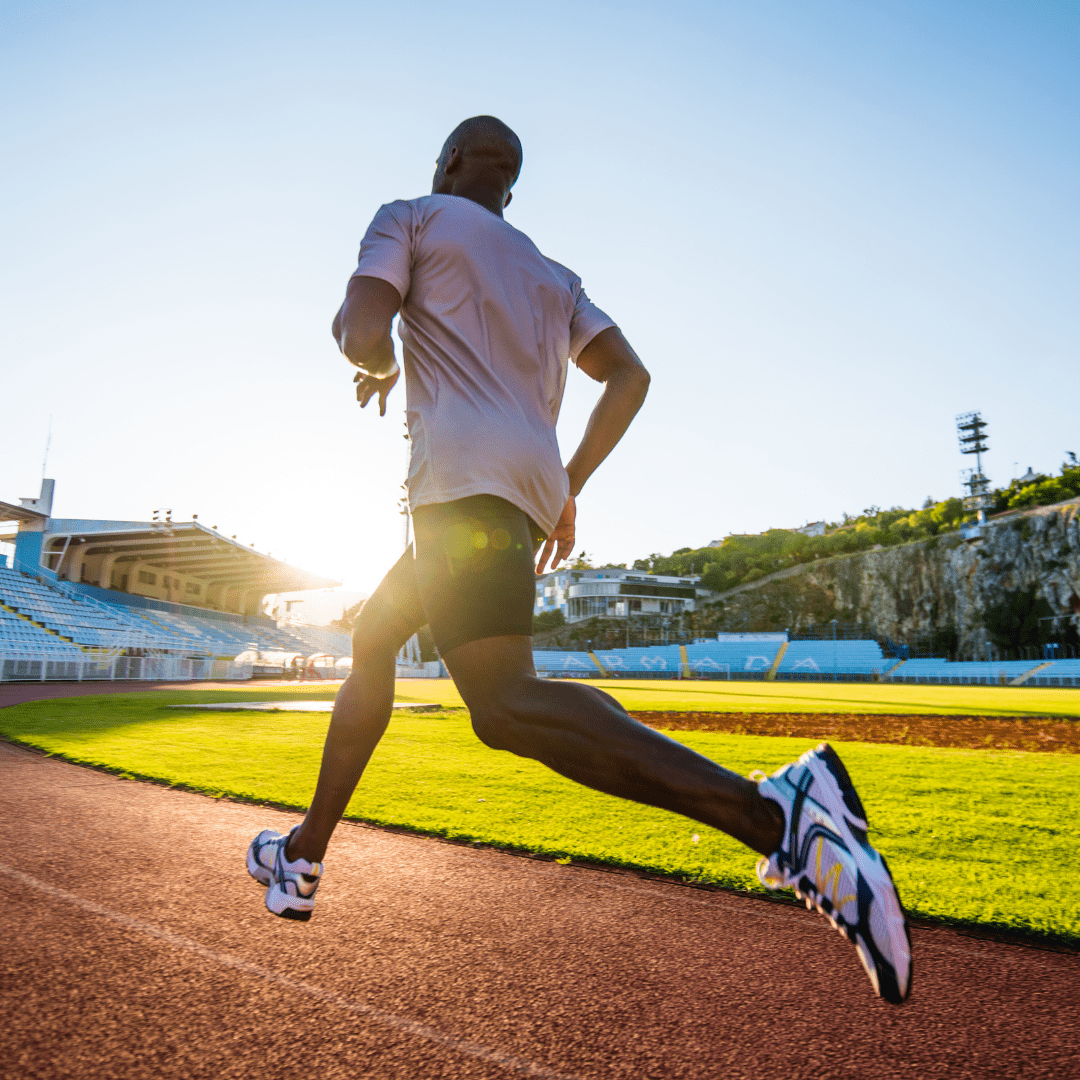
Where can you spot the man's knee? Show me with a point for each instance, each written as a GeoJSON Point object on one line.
{"type": "Point", "coordinates": [379, 631]}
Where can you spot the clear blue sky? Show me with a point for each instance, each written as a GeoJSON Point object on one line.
{"type": "Point", "coordinates": [827, 228]}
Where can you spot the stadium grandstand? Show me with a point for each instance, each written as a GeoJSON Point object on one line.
{"type": "Point", "coordinates": [147, 600]}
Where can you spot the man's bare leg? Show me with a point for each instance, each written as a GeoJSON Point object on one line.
{"type": "Point", "coordinates": [586, 735]}
{"type": "Point", "coordinates": [362, 708]}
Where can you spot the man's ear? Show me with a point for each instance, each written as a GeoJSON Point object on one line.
{"type": "Point", "coordinates": [453, 161]}
{"type": "Point", "coordinates": [509, 196]}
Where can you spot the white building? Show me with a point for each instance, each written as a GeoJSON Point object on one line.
{"type": "Point", "coordinates": [614, 593]}
{"type": "Point", "coordinates": [551, 590]}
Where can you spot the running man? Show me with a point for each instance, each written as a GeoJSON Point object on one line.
{"type": "Point", "coordinates": [487, 327]}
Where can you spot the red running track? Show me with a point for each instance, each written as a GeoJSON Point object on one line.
{"type": "Point", "coordinates": [135, 945]}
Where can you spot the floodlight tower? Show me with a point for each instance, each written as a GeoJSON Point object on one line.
{"type": "Point", "coordinates": [971, 430]}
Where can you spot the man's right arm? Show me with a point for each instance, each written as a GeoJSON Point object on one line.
{"type": "Point", "coordinates": [362, 325]}
{"type": "Point", "coordinates": [362, 330]}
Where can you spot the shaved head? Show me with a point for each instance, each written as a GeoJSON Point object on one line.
{"type": "Point", "coordinates": [486, 143]}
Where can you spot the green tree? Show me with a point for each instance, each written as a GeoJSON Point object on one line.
{"type": "Point", "coordinates": [1015, 621]}
{"type": "Point", "coordinates": [548, 620]}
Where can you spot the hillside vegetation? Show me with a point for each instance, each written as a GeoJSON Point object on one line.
{"type": "Point", "coordinates": [739, 560]}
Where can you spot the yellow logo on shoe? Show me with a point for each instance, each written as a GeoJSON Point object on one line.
{"type": "Point", "coordinates": [822, 881]}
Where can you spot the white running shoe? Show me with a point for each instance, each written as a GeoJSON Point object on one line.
{"type": "Point", "coordinates": [290, 886]}
{"type": "Point", "coordinates": [826, 858]}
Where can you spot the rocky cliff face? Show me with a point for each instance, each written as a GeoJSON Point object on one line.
{"type": "Point", "coordinates": [943, 584]}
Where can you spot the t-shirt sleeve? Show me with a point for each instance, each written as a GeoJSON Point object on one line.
{"type": "Point", "coordinates": [587, 321]}
{"type": "Point", "coordinates": [386, 250]}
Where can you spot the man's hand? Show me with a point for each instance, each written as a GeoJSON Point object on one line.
{"type": "Point", "coordinates": [561, 539]}
{"type": "Point", "coordinates": [367, 386]}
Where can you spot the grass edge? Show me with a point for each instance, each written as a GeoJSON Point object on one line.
{"type": "Point", "coordinates": [992, 930]}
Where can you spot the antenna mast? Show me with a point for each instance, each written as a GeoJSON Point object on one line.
{"type": "Point", "coordinates": [48, 441]}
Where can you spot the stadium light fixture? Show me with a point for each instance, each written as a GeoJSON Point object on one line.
{"type": "Point", "coordinates": [971, 431]}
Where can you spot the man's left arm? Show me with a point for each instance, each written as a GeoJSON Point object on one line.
{"type": "Point", "coordinates": [362, 329]}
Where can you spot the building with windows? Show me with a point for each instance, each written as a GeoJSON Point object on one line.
{"type": "Point", "coordinates": [551, 590]}
{"type": "Point", "coordinates": [614, 593]}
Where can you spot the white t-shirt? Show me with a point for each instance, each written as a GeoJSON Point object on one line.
{"type": "Point", "coordinates": [487, 326]}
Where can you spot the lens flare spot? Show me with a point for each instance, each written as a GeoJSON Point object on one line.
{"type": "Point", "coordinates": [458, 542]}
{"type": "Point", "coordinates": [479, 540]}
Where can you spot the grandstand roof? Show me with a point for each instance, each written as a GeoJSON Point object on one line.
{"type": "Point", "coordinates": [185, 547]}
{"type": "Point", "coordinates": [11, 512]}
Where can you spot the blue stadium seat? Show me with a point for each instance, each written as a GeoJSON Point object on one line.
{"type": "Point", "coordinates": [975, 672]}
{"type": "Point", "coordinates": [92, 625]}
{"type": "Point", "coordinates": [1059, 673]}
{"type": "Point", "coordinates": [564, 664]}
{"type": "Point", "coordinates": [808, 659]}
{"type": "Point", "coordinates": [740, 658]}
{"type": "Point", "coordinates": [655, 660]}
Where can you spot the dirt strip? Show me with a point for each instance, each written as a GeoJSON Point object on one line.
{"type": "Point", "coordinates": [1046, 733]}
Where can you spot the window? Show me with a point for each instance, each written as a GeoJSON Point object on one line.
{"type": "Point", "coordinates": [191, 588]}
{"type": "Point", "coordinates": [146, 578]}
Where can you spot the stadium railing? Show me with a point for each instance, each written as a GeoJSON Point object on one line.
{"type": "Point", "coordinates": [44, 666]}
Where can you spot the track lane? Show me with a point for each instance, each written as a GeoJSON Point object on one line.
{"type": "Point", "coordinates": [556, 969]}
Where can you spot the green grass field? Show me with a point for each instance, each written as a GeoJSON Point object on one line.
{"type": "Point", "coordinates": [974, 837]}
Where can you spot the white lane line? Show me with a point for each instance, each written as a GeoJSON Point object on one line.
{"type": "Point", "coordinates": [401, 1023]}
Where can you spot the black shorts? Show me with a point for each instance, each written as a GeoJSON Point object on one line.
{"type": "Point", "coordinates": [471, 573]}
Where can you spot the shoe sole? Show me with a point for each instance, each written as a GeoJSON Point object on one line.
{"type": "Point", "coordinates": [285, 906]}
{"type": "Point", "coordinates": [837, 794]}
